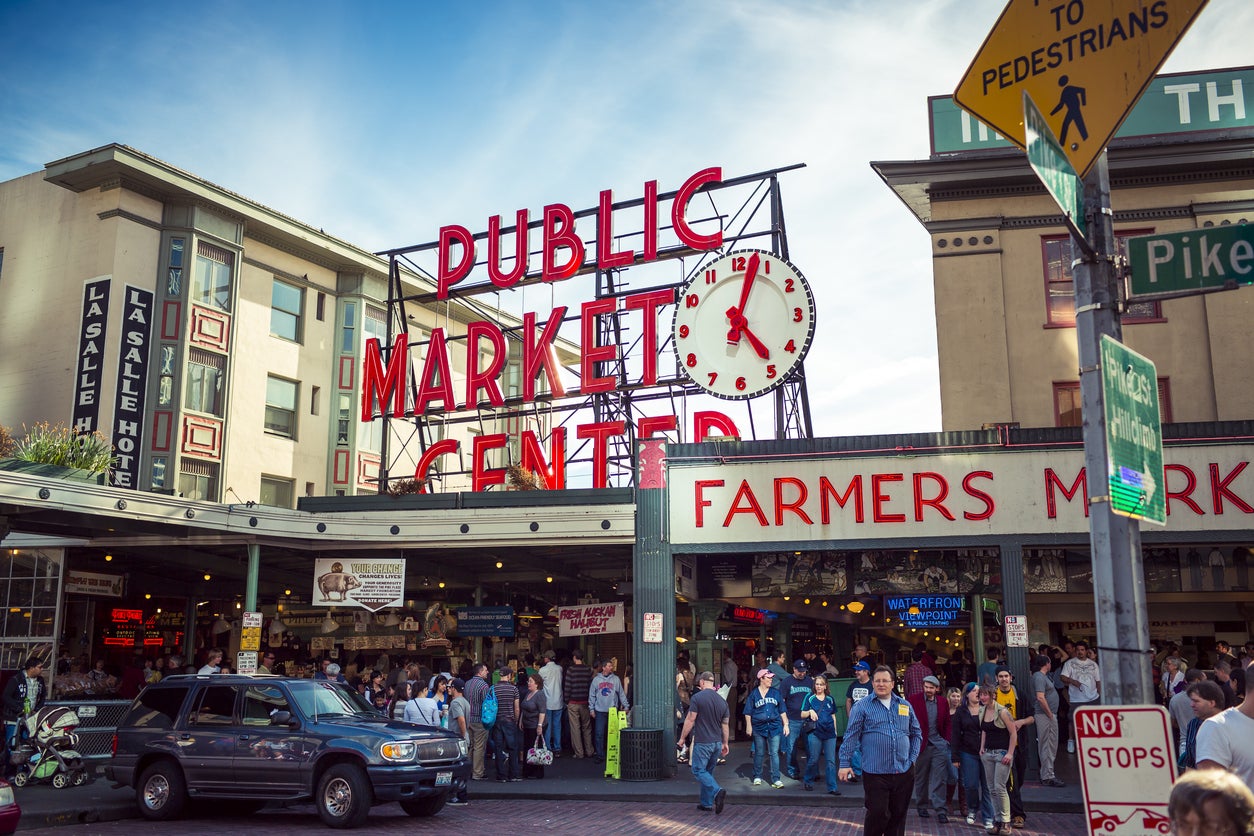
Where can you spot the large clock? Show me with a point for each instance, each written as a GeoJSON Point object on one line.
{"type": "Point", "coordinates": [743, 324]}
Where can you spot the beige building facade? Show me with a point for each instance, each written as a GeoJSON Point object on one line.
{"type": "Point", "coordinates": [1002, 258]}
{"type": "Point", "coordinates": [216, 342]}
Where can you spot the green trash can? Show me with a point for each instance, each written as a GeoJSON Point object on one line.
{"type": "Point", "coordinates": [640, 754]}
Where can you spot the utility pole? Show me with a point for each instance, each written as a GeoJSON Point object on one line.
{"type": "Point", "coordinates": [1114, 540]}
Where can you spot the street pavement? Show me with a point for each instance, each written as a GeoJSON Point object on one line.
{"type": "Point", "coordinates": [564, 799]}
{"type": "Point", "coordinates": [567, 816]}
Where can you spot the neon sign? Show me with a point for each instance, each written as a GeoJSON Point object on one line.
{"type": "Point", "coordinates": [927, 610]}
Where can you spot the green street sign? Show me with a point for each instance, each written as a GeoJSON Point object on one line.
{"type": "Point", "coordinates": [1134, 434]}
{"type": "Point", "coordinates": [1185, 263]}
{"type": "Point", "coordinates": [1053, 168]}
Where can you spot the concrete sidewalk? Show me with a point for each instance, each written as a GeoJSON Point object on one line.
{"type": "Point", "coordinates": [567, 779]}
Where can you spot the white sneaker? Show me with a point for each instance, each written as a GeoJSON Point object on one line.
{"type": "Point", "coordinates": [779, 785]}
{"type": "Point", "coordinates": [1071, 747]}
{"type": "Point", "coordinates": [971, 818]}
{"type": "Point", "coordinates": [757, 782]}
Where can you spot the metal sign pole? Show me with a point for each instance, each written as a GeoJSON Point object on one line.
{"type": "Point", "coordinates": [1115, 541]}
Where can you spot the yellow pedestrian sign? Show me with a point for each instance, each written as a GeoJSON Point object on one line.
{"type": "Point", "coordinates": [1085, 62]}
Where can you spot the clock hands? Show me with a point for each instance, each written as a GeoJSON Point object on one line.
{"type": "Point", "coordinates": [740, 325]}
{"type": "Point", "coordinates": [736, 316]}
{"type": "Point", "coordinates": [750, 274]}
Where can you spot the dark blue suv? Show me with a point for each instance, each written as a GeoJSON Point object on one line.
{"type": "Point", "coordinates": [253, 739]}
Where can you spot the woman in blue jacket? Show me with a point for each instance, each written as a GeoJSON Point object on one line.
{"type": "Point", "coordinates": [821, 709]}
{"type": "Point", "coordinates": [765, 721]}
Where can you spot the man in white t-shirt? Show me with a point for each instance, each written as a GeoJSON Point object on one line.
{"type": "Point", "coordinates": [1083, 679]}
{"type": "Point", "coordinates": [1226, 741]}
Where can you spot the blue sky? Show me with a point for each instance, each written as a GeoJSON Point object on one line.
{"type": "Point", "coordinates": [379, 122]}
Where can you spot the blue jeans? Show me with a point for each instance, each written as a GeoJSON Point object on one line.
{"type": "Point", "coordinates": [602, 728]}
{"type": "Point", "coordinates": [704, 756]}
{"type": "Point", "coordinates": [828, 748]}
{"type": "Point", "coordinates": [979, 801]}
{"type": "Point", "coordinates": [786, 744]}
{"type": "Point", "coordinates": [768, 748]}
{"type": "Point", "coordinates": [553, 729]}
{"type": "Point", "coordinates": [507, 738]}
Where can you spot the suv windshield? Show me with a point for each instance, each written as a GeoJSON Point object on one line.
{"type": "Point", "coordinates": [316, 697]}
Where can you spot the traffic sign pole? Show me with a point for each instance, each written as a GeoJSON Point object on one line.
{"type": "Point", "coordinates": [1114, 540]}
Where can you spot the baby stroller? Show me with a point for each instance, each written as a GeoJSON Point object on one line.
{"type": "Point", "coordinates": [47, 749]}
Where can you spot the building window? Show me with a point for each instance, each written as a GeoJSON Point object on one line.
{"type": "Point", "coordinates": [281, 400]}
{"type": "Point", "coordinates": [348, 330]}
{"type": "Point", "coordinates": [1067, 403]}
{"type": "Point", "coordinates": [198, 480]}
{"type": "Point", "coordinates": [205, 374]}
{"type": "Point", "coordinates": [277, 492]}
{"type": "Point", "coordinates": [211, 285]}
{"type": "Point", "coordinates": [375, 324]}
{"type": "Point", "coordinates": [342, 420]}
{"type": "Point", "coordinates": [1060, 285]}
{"type": "Point", "coordinates": [287, 304]}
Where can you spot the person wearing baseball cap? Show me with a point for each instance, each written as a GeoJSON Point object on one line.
{"type": "Point", "coordinates": [859, 688]}
{"type": "Point", "coordinates": [931, 770]}
{"type": "Point", "coordinates": [765, 722]}
{"type": "Point", "coordinates": [708, 722]}
{"type": "Point", "coordinates": [795, 689]}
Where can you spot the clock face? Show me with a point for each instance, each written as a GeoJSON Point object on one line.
{"type": "Point", "coordinates": [743, 324]}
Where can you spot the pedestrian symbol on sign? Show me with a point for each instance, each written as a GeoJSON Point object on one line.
{"type": "Point", "coordinates": [1072, 99]}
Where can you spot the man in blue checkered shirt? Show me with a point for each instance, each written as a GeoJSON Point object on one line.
{"type": "Point", "coordinates": [886, 730]}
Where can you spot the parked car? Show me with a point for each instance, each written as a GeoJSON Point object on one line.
{"type": "Point", "coordinates": [252, 739]}
{"type": "Point", "coordinates": [10, 812]}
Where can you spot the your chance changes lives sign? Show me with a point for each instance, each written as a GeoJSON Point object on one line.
{"type": "Point", "coordinates": [590, 619]}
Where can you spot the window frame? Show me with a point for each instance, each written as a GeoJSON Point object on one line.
{"type": "Point", "coordinates": [212, 291]}
{"type": "Point", "coordinates": [1152, 310]}
{"type": "Point", "coordinates": [200, 364]}
{"type": "Point", "coordinates": [279, 484]}
{"type": "Point", "coordinates": [296, 317]}
{"type": "Point", "coordinates": [1164, 401]}
{"type": "Point", "coordinates": [293, 410]}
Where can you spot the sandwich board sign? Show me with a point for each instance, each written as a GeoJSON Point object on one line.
{"type": "Point", "coordinates": [1084, 62]}
{"type": "Point", "coordinates": [1127, 768]}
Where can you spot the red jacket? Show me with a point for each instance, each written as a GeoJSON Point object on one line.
{"type": "Point", "coordinates": [919, 703]}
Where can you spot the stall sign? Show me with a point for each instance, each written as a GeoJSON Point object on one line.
{"type": "Point", "coordinates": [591, 619]}
{"type": "Point", "coordinates": [746, 615]}
{"type": "Point", "coordinates": [485, 621]}
{"type": "Point", "coordinates": [372, 584]}
{"type": "Point", "coordinates": [94, 583]}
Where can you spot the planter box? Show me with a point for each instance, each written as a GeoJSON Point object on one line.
{"type": "Point", "coordinates": [51, 471]}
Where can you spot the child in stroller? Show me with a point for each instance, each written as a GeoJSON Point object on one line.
{"type": "Point", "coordinates": [47, 749]}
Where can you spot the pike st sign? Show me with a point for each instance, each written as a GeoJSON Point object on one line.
{"type": "Point", "coordinates": [1184, 263]}
{"type": "Point", "coordinates": [1085, 62]}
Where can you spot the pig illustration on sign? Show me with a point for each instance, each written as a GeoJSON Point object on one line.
{"type": "Point", "coordinates": [337, 581]}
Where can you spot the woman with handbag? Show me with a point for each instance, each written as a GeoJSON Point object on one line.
{"type": "Point", "coordinates": [532, 712]}
{"type": "Point", "coordinates": [818, 717]}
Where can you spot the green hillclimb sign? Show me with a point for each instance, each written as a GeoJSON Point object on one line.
{"type": "Point", "coordinates": [1134, 434]}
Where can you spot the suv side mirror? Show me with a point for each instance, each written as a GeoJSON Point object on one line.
{"type": "Point", "coordinates": [281, 718]}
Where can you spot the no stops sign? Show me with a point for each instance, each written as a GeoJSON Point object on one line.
{"type": "Point", "coordinates": [1127, 768]}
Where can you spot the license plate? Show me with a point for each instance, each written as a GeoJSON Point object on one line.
{"type": "Point", "coordinates": [443, 779]}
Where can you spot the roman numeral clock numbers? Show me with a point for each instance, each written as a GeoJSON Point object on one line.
{"type": "Point", "coordinates": [744, 324]}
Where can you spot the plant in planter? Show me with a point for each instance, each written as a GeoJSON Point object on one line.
{"type": "Point", "coordinates": [6, 442]}
{"type": "Point", "coordinates": [60, 446]}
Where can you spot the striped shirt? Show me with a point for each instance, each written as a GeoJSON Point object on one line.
{"type": "Point", "coordinates": [890, 738]}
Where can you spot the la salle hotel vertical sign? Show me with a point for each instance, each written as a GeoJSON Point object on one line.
{"type": "Point", "coordinates": [89, 375]}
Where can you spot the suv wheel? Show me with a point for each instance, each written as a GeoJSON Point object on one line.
{"type": "Point", "coordinates": [344, 796]}
{"type": "Point", "coordinates": [425, 806]}
{"type": "Point", "coordinates": [161, 792]}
